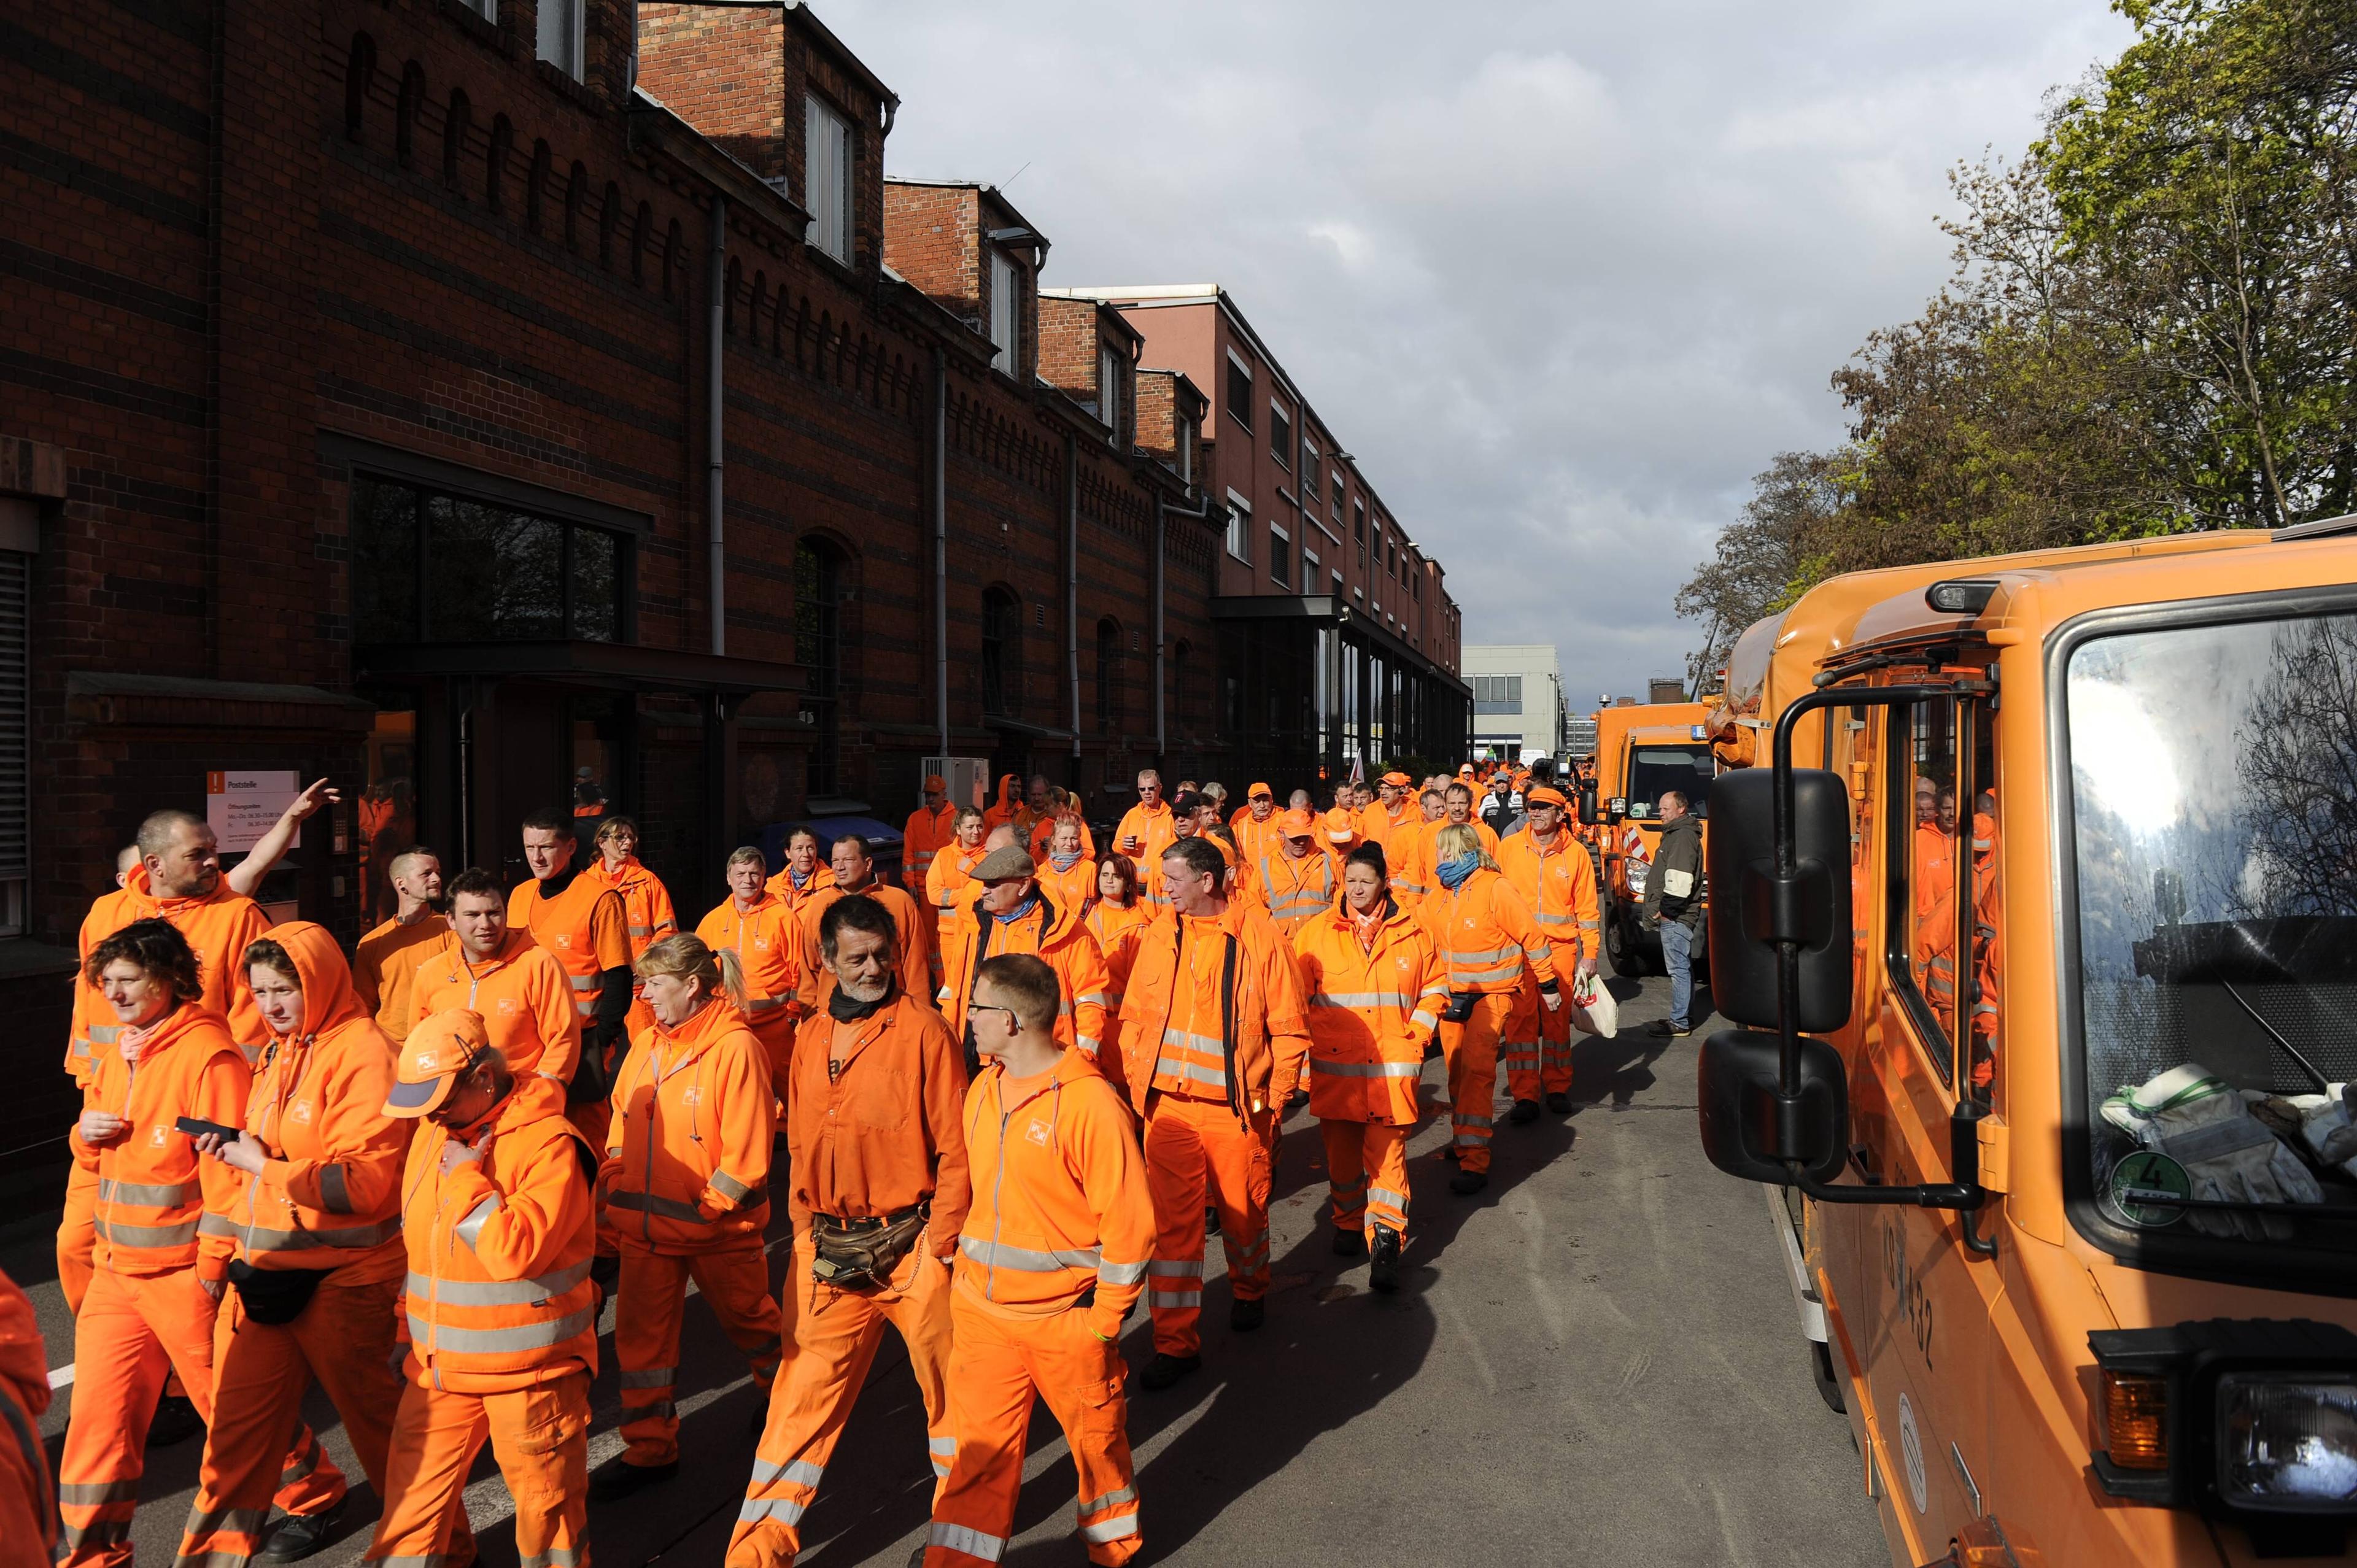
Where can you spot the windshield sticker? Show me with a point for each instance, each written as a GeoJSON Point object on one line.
{"type": "Point", "coordinates": [2141, 1186]}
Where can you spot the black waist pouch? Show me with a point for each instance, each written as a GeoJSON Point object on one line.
{"type": "Point", "coordinates": [860, 1254]}
{"type": "Point", "coordinates": [274, 1295]}
{"type": "Point", "coordinates": [1460, 1006]}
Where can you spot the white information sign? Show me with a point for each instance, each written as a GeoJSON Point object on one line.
{"type": "Point", "coordinates": [243, 807]}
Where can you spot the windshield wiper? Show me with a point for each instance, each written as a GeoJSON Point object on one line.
{"type": "Point", "coordinates": [2305, 1066]}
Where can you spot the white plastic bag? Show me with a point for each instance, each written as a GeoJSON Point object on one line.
{"type": "Point", "coordinates": [1593, 1010]}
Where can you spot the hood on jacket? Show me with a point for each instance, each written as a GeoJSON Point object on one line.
{"type": "Point", "coordinates": [1689, 824]}
{"type": "Point", "coordinates": [329, 1000]}
{"type": "Point", "coordinates": [707, 1023]}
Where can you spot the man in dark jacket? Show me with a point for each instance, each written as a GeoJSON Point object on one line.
{"type": "Point", "coordinates": [1501, 807]}
{"type": "Point", "coordinates": [1673, 906]}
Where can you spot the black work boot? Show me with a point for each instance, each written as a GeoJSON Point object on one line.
{"type": "Point", "coordinates": [1211, 1220]}
{"type": "Point", "coordinates": [1559, 1103]}
{"type": "Point", "coordinates": [1244, 1317]}
{"type": "Point", "coordinates": [1383, 1275]}
{"type": "Point", "coordinates": [298, 1535]}
{"type": "Point", "coordinates": [175, 1421]}
{"type": "Point", "coordinates": [1523, 1113]}
{"type": "Point", "coordinates": [622, 1479]}
{"type": "Point", "coordinates": [1464, 1184]}
{"type": "Point", "coordinates": [1164, 1370]}
{"type": "Point", "coordinates": [1350, 1244]}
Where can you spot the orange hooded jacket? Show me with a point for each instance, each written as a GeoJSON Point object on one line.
{"type": "Point", "coordinates": [1060, 1201]}
{"type": "Point", "coordinates": [1371, 1011]}
{"type": "Point", "coordinates": [1557, 882]}
{"type": "Point", "coordinates": [153, 1188]}
{"type": "Point", "coordinates": [647, 913]}
{"type": "Point", "coordinates": [93, 1020]}
{"type": "Point", "coordinates": [1214, 1003]}
{"type": "Point", "coordinates": [687, 1154]}
{"type": "Point", "coordinates": [330, 1194]}
{"type": "Point", "coordinates": [499, 1297]}
{"type": "Point", "coordinates": [1487, 936]}
{"type": "Point", "coordinates": [216, 926]}
{"type": "Point", "coordinates": [768, 942]}
{"type": "Point", "coordinates": [523, 993]}
{"type": "Point", "coordinates": [1058, 933]}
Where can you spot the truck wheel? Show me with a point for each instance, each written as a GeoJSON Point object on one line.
{"type": "Point", "coordinates": [1829, 1382]}
{"type": "Point", "coordinates": [1620, 946]}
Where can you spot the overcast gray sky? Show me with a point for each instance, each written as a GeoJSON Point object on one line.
{"type": "Point", "coordinates": [1564, 276]}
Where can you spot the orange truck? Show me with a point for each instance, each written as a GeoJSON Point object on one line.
{"type": "Point", "coordinates": [1640, 751]}
{"type": "Point", "coordinates": [2037, 912]}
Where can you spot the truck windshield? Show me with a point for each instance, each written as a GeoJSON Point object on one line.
{"type": "Point", "coordinates": [1685, 768]}
{"type": "Point", "coordinates": [2214, 788]}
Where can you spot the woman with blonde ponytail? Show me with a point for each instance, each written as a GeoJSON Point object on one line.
{"type": "Point", "coordinates": [685, 1183]}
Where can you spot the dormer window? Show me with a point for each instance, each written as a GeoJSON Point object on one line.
{"type": "Point", "coordinates": [559, 24]}
{"type": "Point", "coordinates": [1109, 390]}
{"type": "Point", "coordinates": [1184, 441]}
{"type": "Point", "coordinates": [1005, 310]}
{"type": "Point", "coordinates": [826, 178]}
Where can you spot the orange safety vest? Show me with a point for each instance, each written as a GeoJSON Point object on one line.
{"type": "Point", "coordinates": [1035, 1242]}
{"type": "Point", "coordinates": [926, 835]}
{"type": "Point", "coordinates": [1298, 891]}
{"type": "Point", "coordinates": [152, 1188]}
{"type": "Point", "coordinates": [1371, 1012]}
{"type": "Point", "coordinates": [1557, 882]}
{"type": "Point", "coordinates": [1486, 934]}
{"type": "Point", "coordinates": [499, 1297]}
{"type": "Point", "coordinates": [687, 1151]}
{"type": "Point", "coordinates": [821, 878]}
{"type": "Point", "coordinates": [1054, 932]}
{"type": "Point", "coordinates": [330, 1194]}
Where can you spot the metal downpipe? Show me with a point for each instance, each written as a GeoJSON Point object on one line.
{"type": "Point", "coordinates": [716, 446]}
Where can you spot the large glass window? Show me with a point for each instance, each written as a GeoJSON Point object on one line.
{"type": "Point", "coordinates": [2214, 784]}
{"type": "Point", "coordinates": [1499, 694]}
{"type": "Point", "coordinates": [1002, 653]}
{"type": "Point", "coordinates": [432, 567]}
{"type": "Point", "coordinates": [1688, 769]}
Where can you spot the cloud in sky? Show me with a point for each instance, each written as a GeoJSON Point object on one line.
{"type": "Point", "coordinates": [1563, 275]}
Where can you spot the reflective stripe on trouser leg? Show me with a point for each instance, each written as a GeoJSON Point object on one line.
{"type": "Point", "coordinates": [1176, 1175]}
{"type": "Point", "coordinates": [1519, 1051]}
{"type": "Point", "coordinates": [835, 1334]}
{"type": "Point", "coordinates": [649, 1299]}
{"type": "Point", "coordinates": [130, 1333]}
{"type": "Point", "coordinates": [1554, 1043]}
{"type": "Point", "coordinates": [1386, 1158]}
{"type": "Point", "coordinates": [1000, 1367]}
{"type": "Point", "coordinates": [309, 1482]}
{"type": "Point", "coordinates": [1473, 1080]}
{"type": "Point", "coordinates": [1346, 1172]}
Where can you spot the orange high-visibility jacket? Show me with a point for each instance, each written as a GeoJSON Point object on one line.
{"type": "Point", "coordinates": [822, 878]}
{"type": "Point", "coordinates": [1338, 820]}
{"type": "Point", "coordinates": [523, 993]}
{"type": "Point", "coordinates": [1257, 839]}
{"type": "Point", "coordinates": [687, 1154]}
{"type": "Point", "coordinates": [1150, 826]}
{"type": "Point", "coordinates": [1407, 862]}
{"type": "Point", "coordinates": [1154, 891]}
{"type": "Point", "coordinates": [499, 1297]}
{"type": "Point", "coordinates": [925, 836]}
{"type": "Point", "coordinates": [217, 926]}
{"type": "Point", "coordinates": [153, 1187]}
{"type": "Point", "coordinates": [386, 965]}
{"type": "Point", "coordinates": [1213, 1003]}
{"type": "Point", "coordinates": [1296, 892]}
{"type": "Point", "coordinates": [1058, 933]}
{"type": "Point", "coordinates": [1376, 825]}
{"type": "Point", "coordinates": [1371, 1010]}
{"type": "Point", "coordinates": [1557, 882]}
{"type": "Point", "coordinates": [768, 942]}
{"type": "Point", "coordinates": [93, 1020]}
{"type": "Point", "coordinates": [1071, 887]}
{"type": "Point", "coordinates": [916, 947]}
{"type": "Point", "coordinates": [1487, 935]}
{"type": "Point", "coordinates": [1007, 806]}
{"type": "Point", "coordinates": [330, 1194]}
{"type": "Point", "coordinates": [883, 1134]}
{"type": "Point", "coordinates": [29, 1511]}
{"type": "Point", "coordinates": [1116, 932]}
{"type": "Point", "coordinates": [947, 876]}
{"type": "Point", "coordinates": [1043, 833]}
{"type": "Point", "coordinates": [1061, 1202]}
{"type": "Point", "coordinates": [583, 928]}
{"type": "Point", "coordinates": [647, 913]}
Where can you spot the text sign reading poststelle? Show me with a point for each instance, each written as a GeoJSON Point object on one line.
{"type": "Point", "coordinates": [241, 807]}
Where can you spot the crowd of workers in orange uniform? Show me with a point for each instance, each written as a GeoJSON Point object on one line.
{"type": "Point", "coordinates": [1003, 1099]}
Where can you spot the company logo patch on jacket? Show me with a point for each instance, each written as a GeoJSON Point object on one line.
{"type": "Point", "coordinates": [1036, 1131]}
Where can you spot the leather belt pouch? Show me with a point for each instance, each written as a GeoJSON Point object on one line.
{"type": "Point", "coordinates": [860, 1254]}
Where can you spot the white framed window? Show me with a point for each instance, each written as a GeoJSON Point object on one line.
{"type": "Point", "coordinates": [1109, 389]}
{"type": "Point", "coordinates": [1239, 528]}
{"type": "Point", "coordinates": [1005, 310]}
{"type": "Point", "coordinates": [1280, 556]}
{"type": "Point", "coordinates": [560, 27]}
{"type": "Point", "coordinates": [1308, 472]}
{"type": "Point", "coordinates": [489, 10]}
{"type": "Point", "coordinates": [826, 177]}
{"type": "Point", "coordinates": [1280, 434]}
{"type": "Point", "coordinates": [1309, 564]}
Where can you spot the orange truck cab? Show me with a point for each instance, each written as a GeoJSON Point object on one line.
{"type": "Point", "coordinates": [1640, 752]}
{"type": "Point", "coordinates": [2037, 912]}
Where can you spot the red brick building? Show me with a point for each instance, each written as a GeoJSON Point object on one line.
{"type": "Point", "coordinates": [498, 402]}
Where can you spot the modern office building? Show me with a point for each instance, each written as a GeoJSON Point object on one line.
{"type": "Point", "coordinates": [1518, 703]}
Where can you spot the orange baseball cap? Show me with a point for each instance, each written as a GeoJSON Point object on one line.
{"type": "Point", "coordinates": [1398, 779]}
{"type": "Point", "coordinates": [1339, 827]}
{"type": "Point", "coordinates": [1258, 791]}
{"type": "Point", "coordinates": [1545, 795]}
{"type": "Point", "coordinates": [935, 781]}
{"type": "Point", "coordinates": [439, 1053]}
{"type": "Point", "coordinates": [1297, 822]}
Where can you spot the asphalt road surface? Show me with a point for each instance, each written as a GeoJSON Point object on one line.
{"type": "Point", "coordinates": [1594, 1361]}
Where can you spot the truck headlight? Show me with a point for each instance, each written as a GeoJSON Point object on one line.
{"type": "Point", "coordinates": [1636, 869]}
{"type": "Point", "coordinates": [2287, 1442]}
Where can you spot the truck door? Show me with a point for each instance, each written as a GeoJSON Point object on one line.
{"type": "Point", "coordinates": [1927, 1298]}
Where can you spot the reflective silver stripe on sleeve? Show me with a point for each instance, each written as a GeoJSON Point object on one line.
{"type": "Point", "coordinates": [1121, 1273]}
{"type": "Point", "coordinates": [582, 981]}
{"type": "Point", "coordinates": [335, 1197]}
{"type": "Point", "coordinates": [500, 1341]}
{"type": "Point", "coordinates": [1360, 999]}
{"type": "Point", "coordinates": [765, 1003]}
{"type": "Point", "coordinates": [498, 1292]}
{"type": "Point", "coordinates": [735, 1191]}
{"type": "Point", "coordinates": [470, 1230]}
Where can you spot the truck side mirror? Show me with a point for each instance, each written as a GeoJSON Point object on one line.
{"type": "Point", "coordinates": [1748, 1130]}
{"type": "Point", "coordinates": [1752, 907]}
{"type": "Point", "coordinates": [1588, 817]}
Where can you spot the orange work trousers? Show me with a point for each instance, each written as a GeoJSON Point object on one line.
{"type": "Point", "coordinates": [78, 1236]}
{"type": "Point", "coordinates": [835, 1335]}
{"type": "Point", "coordinates": [1366, 1172]}
{"type": "Point", "coordinates": [132, 1331]}
{"type": "Point", "coordinates": [1002, 1365]}
{"type": "Point", "coordinates": [1471, 1048]}
{"type": "Point", "coordinates": [735, 1281]}
{"type": "Point", "coordinates": [344, 1337]}
{"type": "Point", "coordinates": [540, 1435]}
{"type": "Point", "coordinates": [1538, 1057]}
{"type": "Point", "coordinates": [1198, 1150]}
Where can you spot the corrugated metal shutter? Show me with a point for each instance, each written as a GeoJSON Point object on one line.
{"type": "Point", "coordinates": [15, 720]}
